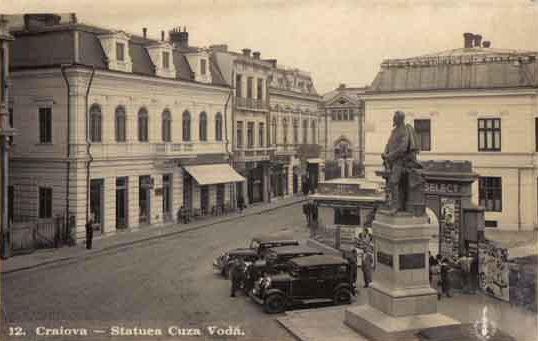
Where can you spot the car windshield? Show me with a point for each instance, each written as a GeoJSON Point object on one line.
{"type": "Point", "coordinates": [254, 245]}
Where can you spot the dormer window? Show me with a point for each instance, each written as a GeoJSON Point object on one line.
{"type": "Point", "coordinates": [203, 66]}
{"type": "Point", "coordinates": [120, 52]}
{"type": "Point", "coordinates": [166, 60]}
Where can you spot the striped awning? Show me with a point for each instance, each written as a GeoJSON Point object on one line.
{"type": "Point", "coordinates": [213, 174]}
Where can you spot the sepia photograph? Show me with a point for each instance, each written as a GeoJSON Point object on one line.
{"type": "Point", "coordinates": [273, 170]}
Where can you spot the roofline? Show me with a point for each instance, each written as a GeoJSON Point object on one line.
{"type": "Point", "coordinates": [373, 94]}
{"type": "Point", "coordinates": [153, 77]}
{"type": "Point", "coordinates": [289, 93]}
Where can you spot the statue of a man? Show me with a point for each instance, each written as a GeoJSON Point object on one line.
{"type": "Point", "coordinates": [400, 157]}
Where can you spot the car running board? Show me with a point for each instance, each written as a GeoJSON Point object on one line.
{"type": "Point", "coordinates": [316, 300]}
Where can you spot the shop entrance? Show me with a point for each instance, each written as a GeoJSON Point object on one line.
{"type": "Point", "coordinates": [167, 197]}
{"type": "Point", "coordinates": [144, 198]}
{"type": "Point", "coordinates": [121, 202]}
{"type": "Point", "coordinates": [96, 203]}
{"type": "Point", "coordinates": [255, 184]}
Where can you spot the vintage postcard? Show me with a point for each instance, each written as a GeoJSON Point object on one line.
{"type": "Point", "coordinates": [269, 170]}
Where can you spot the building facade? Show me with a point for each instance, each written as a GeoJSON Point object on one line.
{"type": "Point", "coordinates": [6, 136]}
{"type": "Point", "coordinates": [475, 103]}
{"type": "Point", "coordinates": [115, 125]}
{"type": "Point", "coordinates": [342, 129]}
{"type": "Point", "coordinates": [275, 110]}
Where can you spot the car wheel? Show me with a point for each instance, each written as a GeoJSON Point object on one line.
{"type": "Point", "coordinates": [342, 296]}
{"type": "Point", "coordinates": [275, 304]}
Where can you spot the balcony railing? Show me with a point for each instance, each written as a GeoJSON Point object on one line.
{"type": "Point", "coordinates": [260, 153]}
{"type": "Point", "coordinates": [250, 103]}
{"type": "Point", "coordinates": [168, 149]}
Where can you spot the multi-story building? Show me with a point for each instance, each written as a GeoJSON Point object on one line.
{"type": "Point", "coordinates": [342, 126]}
{"type": "Point", "coordinates": [294, 128]}
{"type": "Point", "coordinates": [6, 135]}
{"type": "Point", "coordinates": [274, 111]}
{"type": "Point", "coordinates": [474, 103]}
{"type": "Point", "coordinates": [117, 125]}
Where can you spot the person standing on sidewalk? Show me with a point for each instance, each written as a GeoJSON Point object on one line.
{"type": "Point", "coordinates": [367, 268]}
{"type": "Point", "coordinates": [236, 276]}
{"type": "Point", "coordinates": [436, 282]}
{"type": "Point", "coordinates": [183, 216]}
{"type": "Point", "coordinates": [445, 281]}
{"type": "Point", "coordinates": [240, 203]}
{"type": "Point", "coordinates": [89, 232]}
{"type": "Point", "coordinates": [465, 264]}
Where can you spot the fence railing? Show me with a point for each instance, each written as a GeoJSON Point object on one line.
{"type": "Point", "coordinates": [29, 233]}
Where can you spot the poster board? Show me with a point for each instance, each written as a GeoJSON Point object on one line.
{"type": "Point", "coordinates": [493, 271]}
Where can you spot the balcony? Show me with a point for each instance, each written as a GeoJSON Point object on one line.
{"type": "Point", "coordinates": [253, 154]}
{"type": "Point", "coordinates": [250, 104]}
{"type": "Point", "coordinates": [285, 149]}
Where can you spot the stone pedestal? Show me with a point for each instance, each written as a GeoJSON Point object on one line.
{"type": "Point", "coordinates": [400, 297]}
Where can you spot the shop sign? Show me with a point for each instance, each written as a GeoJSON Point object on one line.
{"type": "Point", "coordinates": [339, 189]}
{"type": "Point", "coordinates": [442, 188]}
{"type": "Point", "coordinates": [412, 261]}
{"type": "Point", "coordinates": [385, 259]}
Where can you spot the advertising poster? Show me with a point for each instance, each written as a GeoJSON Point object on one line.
{"type": "Point", "coordinates": [493, 271]}
{"type": "Point", "coordinates": [449, 227]}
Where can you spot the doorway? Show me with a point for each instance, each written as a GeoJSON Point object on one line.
{"type": "Point", "coordinates": [204, 199]}
{"type": "Point", "coordinates": [96, 203]}
{"type": "Point", "coordinates": [144, 199]}
{"type": "Point", "coordinates": [167, 197]}
{"type": "Point", "coordinates": [121, 202]}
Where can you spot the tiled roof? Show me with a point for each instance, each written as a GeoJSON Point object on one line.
{"type": "Point", "coordinates": [53, 46]}
{"type": "Point", "coordinates": [466, 68]}
{"type": "Point", "coordinates": [353, 93]}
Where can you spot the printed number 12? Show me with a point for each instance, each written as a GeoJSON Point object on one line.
{"type": "Point", "coordinates": [17, 331]}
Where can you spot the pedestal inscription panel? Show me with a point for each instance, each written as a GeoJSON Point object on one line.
{"type": "Point", "coordinates": [385, 259]}
{"type": "Point", "coordinates": [412, 261]}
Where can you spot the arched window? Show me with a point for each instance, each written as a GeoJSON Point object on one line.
{"type": "Point", "coordinates": [166, 126]}
{"type": "Point", "coordinates": [95, 123]}
{"type": "Point", "coordinates": [273, 131]}
{"type": "Point", "coordinates": [313, 124]}
{"type": "Point", "coordinates": [143, 125]}
{"type": "Point", "coordinates": [120, 128]}
{"type": "Point", "coordinates": [305, 131]}
{"type": "Point", "coordinates": [285, 130]}
{"type": "Point", "coordinates": [186, 120]}
{"type": "Point", "coordinates": [203, 126]}
{"type": "Point", "coordinates": [218, 127]}
{"type": "Point", "coordinates": [296, 131]}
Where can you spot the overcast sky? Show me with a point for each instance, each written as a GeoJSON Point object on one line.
{"type": "Point", "coordinates": [337, 41]}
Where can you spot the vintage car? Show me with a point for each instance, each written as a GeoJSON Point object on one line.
{"type": "Point", "coordinates": [276, 258]}
{"type": "Point", "coordinates": [257, 249]}
{"type": "Point", "coordinates": [312, 279]}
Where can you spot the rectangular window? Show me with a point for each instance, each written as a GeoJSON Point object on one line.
{"type": "Point", "coordinates": [238, 85]}
{"type": "Point", "coordinates": [120, 52]}
{"type": "Point", "coordinates": [489, 134]}
{"type": "Point", "coordinates": [423, 132]}
{"type": "Point", "coordinates": [261, 127]}
{"type": "Point", "coordinates": [249, 87]}
{"type": "Point", "coordinates": [250, 134]}
{"type": "Point", "coordinates": [203, 66]}
{"type": "Point", "coordinates": [490, 193]}
{"type": "Point", "coordinates": [260, 89]}
{"type": "Point", "coordinates": [45, 202]}
{"type": "Point", "coordinates": [11, 117]}
{"type": "Point", "coordinates": [240, 134]}
{"type": "Point", "coordinates": [305, 131]}
{"type": "Point", "coordinates": [166, 60]}
{"type": "Point", "coordinates": [45, 125]}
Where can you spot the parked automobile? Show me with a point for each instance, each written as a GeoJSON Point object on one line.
{"type": "Point", "coordinates": [256, 250]}
{"type": "Point", "coordinates": [276, 258]}
{"type": "Point", "coordinates": [312, 279]}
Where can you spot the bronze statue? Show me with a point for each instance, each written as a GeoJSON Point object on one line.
{"type": "Point", "coordinates": [400, 161]}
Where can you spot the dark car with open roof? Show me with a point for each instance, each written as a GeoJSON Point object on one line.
{"type": "Point", "coordinates": [311, 279]}
{"type": "Point", "coordinates": [256, 250]}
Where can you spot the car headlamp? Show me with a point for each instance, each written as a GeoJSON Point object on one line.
{"type": "Point", "coordinates": [267, 282]}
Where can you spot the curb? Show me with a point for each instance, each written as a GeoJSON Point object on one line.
{"type": "Point", "coordinates": [142, 240]}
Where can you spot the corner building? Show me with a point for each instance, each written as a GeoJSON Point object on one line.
{"type": "Point", "coordinates": [117, 125]}
{"type": "Point", "coordinates": [475, 103]}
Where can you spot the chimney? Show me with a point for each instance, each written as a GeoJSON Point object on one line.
{"type": "Point", "coordinates": [477, 40]}
{"type": "Point", "coordinates": [256, 55]}
{"type": "Point", "coordinates": [486, 44]}
{"type": "Point", "coordinates": [246, 52]}
{"type": "Point", "coordinates": [468, 40]}
{"type": "Point", "coordinates": [162, 35]}
{"type": "Point", "coordinates": [178, 38]}
{"type": "Point", "coordinates": [73, 18]}
{"type": "Point", "coordinates": [219, 48]}
{"type": "Point", "coordinates": [342, 86]}
{"type": "Point", "coordinates": [40, 20]}
{"type": "Point", "coordinates": [145, 32]}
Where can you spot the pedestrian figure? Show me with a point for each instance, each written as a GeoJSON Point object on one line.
{"type": "Point", "coordinates": [474, 275]}
{"type": "Point", "coordinates": [89, 231]}
{"type": "Point", "coordinates": [353, 264]}
{"type": "Point", "coordinates": [367, 268]}
{"type": "Point", "coordinates": [465, 264]}
{"type": "Point", "coordinates": [306, 212]}
{"type": "Point", "coordinates": [436, 281]}
{"type": "Point", "coordinates": [236, 276]}
{"type": "Point", "coordinates": [445, 281]}
{"type": "Point", "coordinates": [240, 203]}
{"type": "Point", "coordinates": [306, 188]}
{"type": "Point", "coordinates": [251, 274]}
{"type": "Point", "coordinates": [183, 216]}
{"type": "Point", "coordinates": [431, 259]}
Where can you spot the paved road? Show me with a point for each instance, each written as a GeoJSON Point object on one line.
{"type": "Point", "coordinates": [157, 284]}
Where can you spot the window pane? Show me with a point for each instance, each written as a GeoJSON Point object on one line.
{"type": "Point", "coordinates": [489, 139]}
{"type": "Point", "coordinates": [489, 124]}
{"type": "Point", "coordinates": [497, 123]}
{"type": "Point", "coordinates": [497, 140]}
{"type": "Point", "coordinates": [481, 124]}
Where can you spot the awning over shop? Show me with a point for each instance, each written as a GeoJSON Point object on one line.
{"type": "Point", "coordinates": [315, 160]}
{"type": "Point", "coordinates": [213, 174]}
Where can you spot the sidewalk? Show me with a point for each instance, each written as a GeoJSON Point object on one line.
{"type": "Point", "coordinates": [127, 238]}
